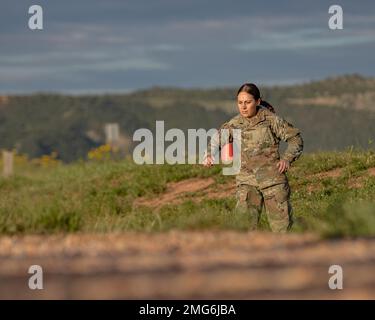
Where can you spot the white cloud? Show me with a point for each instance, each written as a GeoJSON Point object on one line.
{"type": "Point", "coordinates": [305, 39]}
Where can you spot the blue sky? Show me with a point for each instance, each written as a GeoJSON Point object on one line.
{"type": "Point", "coordinates": [93, 46]}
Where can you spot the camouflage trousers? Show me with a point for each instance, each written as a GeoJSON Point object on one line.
{"type": "Point", "coordinates": [275, 199]}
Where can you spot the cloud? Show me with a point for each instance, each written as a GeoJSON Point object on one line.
{"type": "Point", "coordinates": [99, 44]}
{"type": "Point", "coordinates": [306, 39]}
{"type": "Point", "coordinates": [69, 70]}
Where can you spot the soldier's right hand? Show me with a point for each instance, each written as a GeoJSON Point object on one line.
{"type": "Point", "coordinates": [208, 161]}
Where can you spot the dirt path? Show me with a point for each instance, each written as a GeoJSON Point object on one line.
{"type": "Point", "coordinates": [218, 265]}
{"type": "Point", "coordinates": [177, 192]}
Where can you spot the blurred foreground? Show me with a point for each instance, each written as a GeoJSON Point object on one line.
{"type": "Point", "coordinates": [184, 265]}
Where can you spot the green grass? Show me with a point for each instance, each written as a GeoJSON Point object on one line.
{"type": "Point", "coordinates": [331, 206]}
{"type": "Point", "coordinates": [98, 197]}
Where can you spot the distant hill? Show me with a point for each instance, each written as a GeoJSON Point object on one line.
{"type": "Point", "coordinates": [333, 113]}
{"type": "Point", "coordinates": [351, 91]}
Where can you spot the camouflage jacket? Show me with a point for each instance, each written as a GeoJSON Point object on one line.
{"type": "Point", "coordinates": [260, 137]}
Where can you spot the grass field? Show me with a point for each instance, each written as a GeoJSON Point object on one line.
{"type": "Point", "coordinates": [333, 194]}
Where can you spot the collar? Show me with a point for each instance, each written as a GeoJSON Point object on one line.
{"type": "Point", "coordinates": [254, 120]}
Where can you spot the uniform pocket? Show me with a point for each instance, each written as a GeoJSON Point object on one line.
{"type": "Point", "coordinates": [262, 136]}
{"type": "Point", "coordinates": [282, 193]}
{"type": "Point", "coordinates": [242, 193]}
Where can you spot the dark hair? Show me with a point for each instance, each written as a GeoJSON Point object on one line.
{"type": "Point", "coordinates": [250, 88]}
{"type": "Point", "coordinates": [267, 105]}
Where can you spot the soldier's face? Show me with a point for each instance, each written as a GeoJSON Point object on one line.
{"type": "Point", "coordinates": [247, 105]}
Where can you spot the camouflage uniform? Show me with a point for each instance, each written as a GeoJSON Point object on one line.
{"type": "Point", "coordinates": [259, 181]}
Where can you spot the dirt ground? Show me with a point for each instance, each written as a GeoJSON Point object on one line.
{"type": "Point", "coordinates": [191, 265]}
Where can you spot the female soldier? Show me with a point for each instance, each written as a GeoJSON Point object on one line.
{"type": "Point", "coordinates": [262, 179]}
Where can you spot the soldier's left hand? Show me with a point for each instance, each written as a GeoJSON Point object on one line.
{"type": "Point", "coordinates": [283, 166]}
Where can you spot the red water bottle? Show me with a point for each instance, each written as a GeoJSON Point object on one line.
{"type": "Point", "coordinates": [227, 153]}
